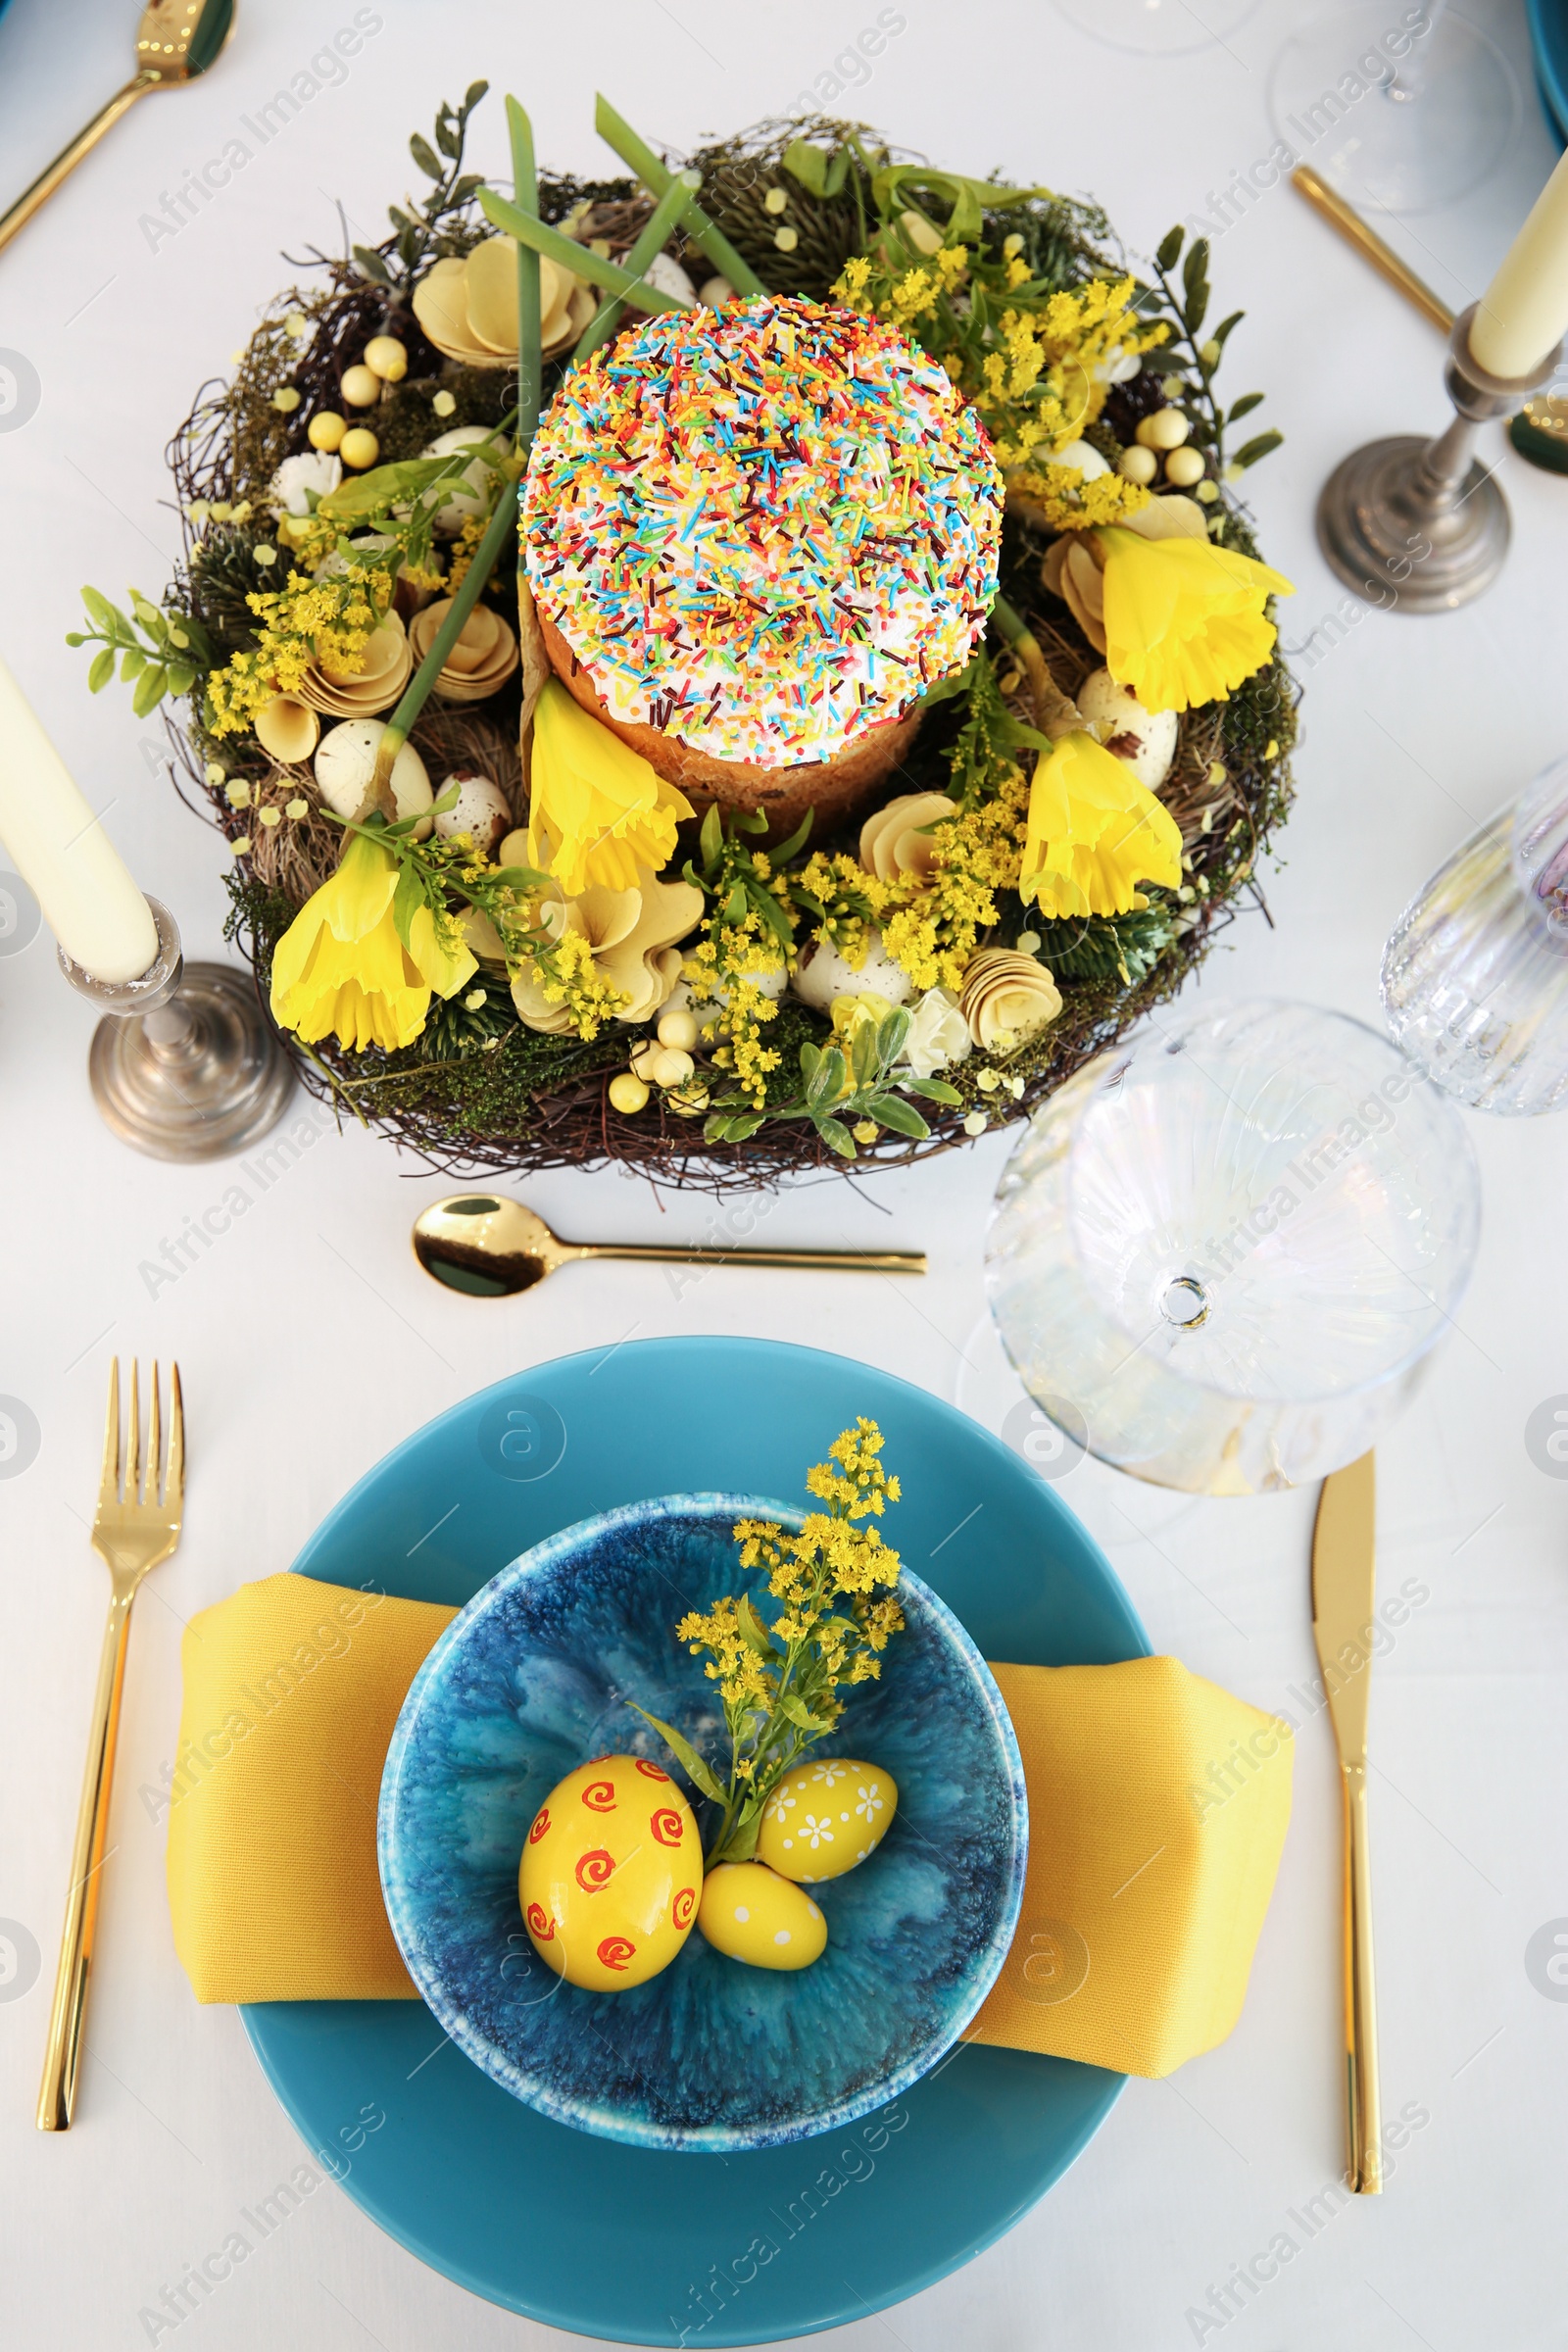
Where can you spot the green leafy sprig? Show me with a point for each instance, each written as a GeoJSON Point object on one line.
{"type": "Point", "coordinates": [1196, 364]}
{"type": "Point", "coordinates": [846, 1086]}
{"type": "Point", "coordinates": [781, 1686]}
{"type": "Point", "coordinates": [163, 653]}
{"type": "Point", "coordinates": [430, 230]}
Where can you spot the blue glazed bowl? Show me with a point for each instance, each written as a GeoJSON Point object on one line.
{"type": "Point", "coordinates": [534, 1678]}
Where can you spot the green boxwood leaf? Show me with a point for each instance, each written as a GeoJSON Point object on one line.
{"type": "Point", "coordinates": [102, 670]}
{"type": "Point", "coordinates": [1195, 270]}
{"type": "Point", "coordinates": [837, 1136]}
{"type": "Point", "coordinates": [1244, 407]}
{"type": "Point", "coordinates": [891, 1111]}
{"type": "Point", "coordinates": [890, 1038]}
{"type": "Point", "coordinates": [711, 841]}
{"type": "Point", "coordinates": [101, 611]}
{"type": "Point", "coordinates": [1258, 447]}
{"type": "Point", "coordinates": [864, 1059]}
{"type": "Point", "coordinates": [933, 1090]}
{"type": "Point", "coordinates": [691, 1763]}
{"type": "Point", "coordinates": [826, 1082]}
{"type": "Point", "coordinates": [182, 677]}
{"type": "Point", "coordinates": [150, 688]}
{"type": "Point", "coordinates": [423, 154]}
{"type": "Point", "coordinates": [371, 265]}
{"type": "Point", "coordinates": [1170, 247]}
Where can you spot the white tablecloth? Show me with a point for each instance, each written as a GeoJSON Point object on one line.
{"type": "Point", "coordinates": [310, 1343]}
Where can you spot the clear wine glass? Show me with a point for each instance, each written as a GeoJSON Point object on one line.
{"type": "Point", "coordinates": [1157, 28]}
{"type": "Point", "coordinates": [1224, 1251]}
{"type": "Point", "coordinates": [1475, 975]}
{"type": "Point", "coordinates": [1404, 108]}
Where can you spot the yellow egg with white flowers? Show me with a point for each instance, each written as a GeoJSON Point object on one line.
{"type": "Point", "coordinates": [749, 1913]}
{"type": "Point", "coordinates": [611, 1874]}
{"type": "Point", "coordinates": [824, 1817]}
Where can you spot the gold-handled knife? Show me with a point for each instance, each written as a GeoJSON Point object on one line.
{"type": "Point", "coordinates": [1369, 245]}
{"type": "Point", "coordinates": [1343, 1574]}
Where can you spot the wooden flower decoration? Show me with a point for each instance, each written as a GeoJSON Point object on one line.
{"type": "Point", "coordinates": [468, 309]}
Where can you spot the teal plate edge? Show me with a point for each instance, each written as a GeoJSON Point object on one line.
{"type": "Point", "coordinates": [779, 2243]}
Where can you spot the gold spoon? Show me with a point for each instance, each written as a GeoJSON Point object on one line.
{"type": "Point", "coordinates": [491, 1247]}
{"type": "Point", "coordinates": [176, 42]}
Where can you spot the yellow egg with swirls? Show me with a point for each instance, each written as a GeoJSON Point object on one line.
{"type": "Point", "coordinates": [747, 1912]}
{"type": "Point", "coordinates": [824, 1817]}
{"type": "Point", "coordinates": [611, 1874]}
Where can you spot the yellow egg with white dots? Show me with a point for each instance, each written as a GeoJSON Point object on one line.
{"type": "Point", "coordinates": [824, 1817]}
{"type": "Point", "coordinates": [749, 1913]}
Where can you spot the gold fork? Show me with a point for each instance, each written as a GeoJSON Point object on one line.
{"type": "Point", "coordinates": [132, 1534]}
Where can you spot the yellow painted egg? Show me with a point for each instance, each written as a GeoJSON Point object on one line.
{"type": "Point", "coordinates": [750, 1913]}
{"type": "Point", "coordinates": [611, 1874]}
{"type": "Point", "coordinates": [824, 1817]}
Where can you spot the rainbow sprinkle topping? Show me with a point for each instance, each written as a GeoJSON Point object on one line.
{"type": "Point", "coordinates": [764, 529]}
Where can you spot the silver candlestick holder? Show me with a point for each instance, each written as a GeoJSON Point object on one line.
{"type": "Point", "coordinates": [1421, 526]}
{"type": "Point", "coordinates": [184, 1066]}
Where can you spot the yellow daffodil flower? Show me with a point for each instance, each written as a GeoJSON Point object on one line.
{"type": "Point", "coordinates": [1094, 833]}
{"type": "Point", "coordinates": [1183, 618]}
{"type": "Point", "coordinates": [341, 966]}
{"type": "Point", "coordinates": [598, 811]}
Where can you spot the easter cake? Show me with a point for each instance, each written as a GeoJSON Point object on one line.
{"type": "Point", "coordinates": [756, 538]}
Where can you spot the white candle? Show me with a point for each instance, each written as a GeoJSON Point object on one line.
{"type": "Point", "coordinates": [1523, 314]}
{"type": "Point", "coordinates": [60, 851]}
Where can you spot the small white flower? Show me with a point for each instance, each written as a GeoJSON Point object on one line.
{"type": "Point", "coordinates": [317, 469]}
{"type": "Point", "coordinates": [870, 1801]}
{"type": "Point", "coordinates": [828, 1773]}
{"type": "Point", "coordinates": [817, 1833]}
{"type": "Point", "coordinates": [937, 1034]}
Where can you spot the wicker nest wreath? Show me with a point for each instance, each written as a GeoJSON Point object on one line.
{"type": "Point", "coordinates": [1038, 833]}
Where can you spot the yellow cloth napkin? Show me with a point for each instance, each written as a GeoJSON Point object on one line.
{"type": "Point", "coordinates": [1158, 1808]}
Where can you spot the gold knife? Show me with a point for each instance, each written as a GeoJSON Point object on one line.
{"type": "Point", "coordinates": [1369, 245]}
{"type": "Point", "coordinates": [1343, 1574]}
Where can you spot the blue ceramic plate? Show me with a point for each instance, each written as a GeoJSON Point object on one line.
{"type": "Point", "coordinates": [536, 1677]}
{"type": "Point", "coordinates": [1549, 36]}
{"type": "Point", "coordinates": [643, 2245]}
